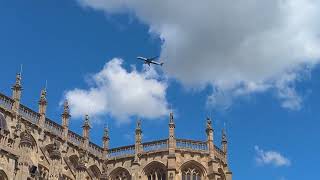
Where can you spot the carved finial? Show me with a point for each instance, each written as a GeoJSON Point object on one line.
{"type": "Point", "coordinates": [224, 136]}
{"type": "Point", "coordinates": [209, 123]}
{"type": "Point", "coordinates": [106, 133]}
{"type": "Point", "coordinates": [138, 127]}
{"type": "Point", "coordinates": [43, 94]}
{"type": "Point", "coordinates": [138, 124]}
{"type": "Point", "coordinates": [66, 107]}
{"type": "Point", "coordinates": [171, 120]}
{"type": "Point", "coordinates": [43, 105]}
{"type": "Point", "coordinates": [18, 80]}
{"type": "Point", "coordinates": [86, 123]}
{"type": "Point", "coordinates": [17, 85]}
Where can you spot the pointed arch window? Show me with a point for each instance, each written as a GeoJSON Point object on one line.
{"type": "Point", "coordinates": [122, 176]}
{"type": "Point", "coordinates": [156, 174]}
{"type": "Point", "coordinates": [191, 174]}
{"type": "Point", "coordinates": [155, 171]}
{"type": "Point", "coordinates": [191, 171]}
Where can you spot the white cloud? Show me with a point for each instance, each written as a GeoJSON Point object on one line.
{"type": "Point", "coordinates": [270, 158]}
{"type": "Point", "coordinates": [121, 94]}
{"type": "Point", "coordinates": [237, 47]}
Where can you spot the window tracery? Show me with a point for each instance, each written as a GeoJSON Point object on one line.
{"type": "Point", "coordinates": [191, 172]}
{"type": "Point", "coordinates": [156, 171]}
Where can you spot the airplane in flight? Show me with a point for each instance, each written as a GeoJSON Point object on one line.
{"type": "Point", "coordinates": [150, 60]}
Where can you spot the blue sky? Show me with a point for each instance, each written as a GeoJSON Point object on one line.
{"type": "Point", "coordinates": [65, 43]}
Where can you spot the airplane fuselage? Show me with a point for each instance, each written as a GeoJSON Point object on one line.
{"type": "Point", "coordinates": [149, 61]}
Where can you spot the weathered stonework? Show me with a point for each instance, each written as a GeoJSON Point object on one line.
{"type": "Point", "coordinates": [35, 147]}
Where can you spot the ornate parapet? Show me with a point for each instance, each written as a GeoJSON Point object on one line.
{"type": "Point", "coordinates": [6, 102]}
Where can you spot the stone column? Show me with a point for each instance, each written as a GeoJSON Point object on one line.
{"type": "Point", "coordinates": [138, 141]}
{"type": "Point", "coordinates": [85, 132]}
{"type": "Point", "coordinates": [212, 163]}
{"type": "Point", "coordinates": [210, 138]}
{"type": "Point", "coordinates": [42, 108]}
{"type": "Point", "coordinates": [105, 140]}
{"type": "Point", "coordinates": [65, 120]}
{"type": "Point", "coordinates": [172, 148]}
{"type": "Point", "coordinates": [224, 144]}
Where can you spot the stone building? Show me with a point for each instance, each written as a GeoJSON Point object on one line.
{"type": "Point", "coordinates": [34, 147]}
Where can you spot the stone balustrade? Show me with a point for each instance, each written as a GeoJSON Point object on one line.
{"type": "Point", "coordinates": [75, 138]}
{"type": "Point", "coordinates": [29, 115]}
{"type": "Point", "coordinates": [5, 101]}
{"type": "Point", "coordinates": [95, 149]}
{"type": "Point", "coordinates": [121, 151]}
{"type": "Point", "coordinates": [155, 145]}
{"type": "Point", "coordinates": [191, 144]}
{"type": "Point", "coordinates": [53, 127]}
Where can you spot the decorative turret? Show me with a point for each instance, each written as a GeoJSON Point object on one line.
{"type": "Point", "coordinates": [210, 139]}
{"type": "Point", "coordinates": [85, 131]}
{"type": "Point", "coordinates": [138, 140]}
{"type": "Point", "coordinates": [16, 93]}
{"type": "Point", "coordinates": [105, 140]}
{"type": "Point", "coordinates": [42, 107]}
{"type": "Point", "coordinates": [65, 119]}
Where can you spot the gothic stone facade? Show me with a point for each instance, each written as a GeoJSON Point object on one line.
{"type": "Point", "coordinates": [35, 147]}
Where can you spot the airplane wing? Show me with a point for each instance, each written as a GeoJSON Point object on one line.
{"type": "Point", "coordinates": [157, 63]}
{"type": "Point", "coordinates": [142, 58]}
{"type": "Point", "coordinates": [153, 58]}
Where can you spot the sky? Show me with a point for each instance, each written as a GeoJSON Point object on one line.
{"type": "Point", "coordinates": [252, 67]}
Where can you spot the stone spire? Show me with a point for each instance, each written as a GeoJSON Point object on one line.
{"type": "Point", "coordinates": [16, 92]}
{"type": "Point", "coordinates": [42, 107]}
{"type": "Point", "coordinates": [65, 119]}
{"type": "Point", "coordinates": [138, 140]}
{"type": "Point", "coordinates": [224, 142]}
{"type": "Point", "coordinates": [105, 140]}
{"type": "Point", "coordinates": [210, 139]}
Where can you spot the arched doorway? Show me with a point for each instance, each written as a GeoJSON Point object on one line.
{"type": "Point", "coordinates": [155, 171]}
